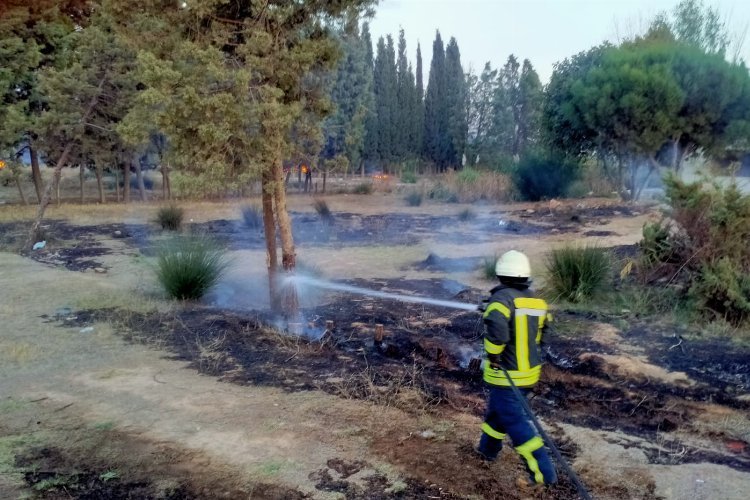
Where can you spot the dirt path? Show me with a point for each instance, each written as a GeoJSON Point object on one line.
{"type": "Point", "coordinates": [263, 433]}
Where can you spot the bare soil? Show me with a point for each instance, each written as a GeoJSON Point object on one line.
{"type": "Point", "coordinates": [111, 392]}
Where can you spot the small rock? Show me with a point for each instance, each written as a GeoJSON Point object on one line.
{"type": "Point", "coordinates": [88, 329]}
{"type": "Point", "coordinates": [39, 245]}
{"type": "Point", "coordinates": [100, 270]}
{"type": "Point", "coordinates": [530, 210]}
{"type": "Point", "coordinates": [554, 230]}
{"type": "Point", "coordinates": [117, 234]}
{"type": "Point", "coordinates": [617, 212]}
{"type": "Point", "coordinates": [427, 434]}
{"type": "Point", "coordinates": [553, 204]}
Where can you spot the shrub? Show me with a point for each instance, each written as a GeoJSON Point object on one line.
{"type": "Point", "coordinates": [488, 267]}
{"type": "Point", "coordinates": [148, 182]}
{"type": "Point", "coordinates": [468, 176]}
{"type": "Point", "coordinates": [409, 177]}
{"type": "Point", "coordinates": [363, 188]}
{"type": "Point", "coordinates": [323, 211]}
{"type": "Point", "coordinates": [440, 192]}
{"type": "Point", "coordinates": [253, 216]}
{"type": "Point", "coordinates": [188, 266]}
{"type": "Point", "coordinates": [170, 217]}
{"type": "Point", "coordinates": [577, 273]}
{"type": "Point", "coordinates": [541, 176]}
{"type": "Point", "coordinates": [466, 214]}
{"type": "Point", "coordinates": [413, 198]}
{"type": "Point", "coordinates": [704, 249]}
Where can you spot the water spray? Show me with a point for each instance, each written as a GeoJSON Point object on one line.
{"type": "Point", "coordinates": [318, 283]}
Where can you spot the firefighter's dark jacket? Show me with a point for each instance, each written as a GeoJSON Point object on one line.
{"type": "Point", "coordinates": [516, 323]}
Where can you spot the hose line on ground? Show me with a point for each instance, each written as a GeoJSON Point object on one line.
{"type": "Point", "coordinates": [558, 456]}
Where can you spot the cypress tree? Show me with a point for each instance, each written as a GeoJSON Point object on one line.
{"type": "Point", "coordinates": [370, 151]}
{"type": "Point", "coordinates": [455, 105]}
{"type": "Point", "coordinates": [434, 105]}
{"type": "Point", "coordinates": [405, 84]}
{"type": "Point", "coordinates": [385, 86]}
{"type": "Point", "coordinates": [419, 107]}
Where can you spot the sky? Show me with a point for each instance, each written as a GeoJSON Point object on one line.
{"type": "Point", "coordinates": [543, 31]}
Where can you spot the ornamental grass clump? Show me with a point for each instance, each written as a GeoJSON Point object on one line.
{"type": "Point", "coordinates": [189, 266]}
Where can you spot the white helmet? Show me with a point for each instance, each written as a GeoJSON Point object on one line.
{"type": "Point", "coordinates": [513, 264]}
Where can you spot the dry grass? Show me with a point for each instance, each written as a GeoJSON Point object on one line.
{"type": "Point", "coordinates": [405, 389]}
{"type": "Point", "coordinates": [490, 186]}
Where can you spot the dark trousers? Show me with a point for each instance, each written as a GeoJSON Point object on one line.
{"type": "Point", "coordinates": [505, 416]}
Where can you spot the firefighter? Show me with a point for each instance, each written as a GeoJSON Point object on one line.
{"type": "Point", "coordinates": [515, 325]}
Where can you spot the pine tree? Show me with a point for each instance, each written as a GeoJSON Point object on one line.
{"type": "Point", "coordinates": [455, 105]}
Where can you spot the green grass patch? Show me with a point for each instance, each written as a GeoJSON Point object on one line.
{"type": "Point", "coordinates": [170, 217]}
{"type": "Point", "coordinates": [488, 267]}
{"type": "Point", "coordinates": [363, 188]}
{"type": "Point", "coordinates": [413, 198]}
{"type": "Point", "coordinates": [252, 215]}
{"type": "Point", "coordinates": [188, 266]}
{"type": "Point", "coordinates": [576, 274]}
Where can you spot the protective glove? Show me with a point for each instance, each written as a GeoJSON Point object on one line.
{"type": "Point", "coordinates": [482, 306]}
{"type": "Point", "coordinates": [494, 361]}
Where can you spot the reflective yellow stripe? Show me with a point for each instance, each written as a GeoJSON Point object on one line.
{"type": "Point", "coordinates": [492, 432]}
{"type": "Point", "coordinates": [493, 348]}
{"type": "Point", "coordinates": [521, 379]}
{"type": "Point", "coordinates": [539, 330]}
{"type": "Point", "coordinates": [497, 306]}
{"type": "Point", "coordinates": [522, 341]}
{"type": "Point", "coordinates": [530, 303]}
{"type": "Point", "coordinates": [526, 450]}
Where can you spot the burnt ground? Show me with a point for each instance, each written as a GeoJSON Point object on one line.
{"type": "Point", "coordinates": [76, 247]}
{"type": "Point", "coordinates": [423, 364]}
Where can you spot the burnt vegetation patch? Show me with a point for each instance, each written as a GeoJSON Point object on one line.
{"type": "Point", "coordinates": [424, 359]}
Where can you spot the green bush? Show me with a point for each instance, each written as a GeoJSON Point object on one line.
{"type": "Point", "coordinates": [488, 267]}
{"type": "Point", "coordinates": [409, 177]}
{"type": "Point", "coordinates": [413, 198]}
{"type": "Point", "coordinates": [363, 188]}
{"type": "Point", "coordinates": [440, 192]}
{"type": "Point", "coordinates": [323, 211]}
{"type": "Point", "coordinates": [541, 176]}
{"type": "Point", "coordinates": [188, 266]}
{"type": "Point", "coordinates": [577, 273]}
{"type": "Point", "coordinates": [704, 249]}
{"type": "Point", "coordinates": [252, 215]}
{"type": "Point", "coordinates": [468, 176]}
{"type": "Point", "coordinates": [170, 217]}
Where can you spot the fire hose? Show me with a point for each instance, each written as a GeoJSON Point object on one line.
{"type": "Point", "coordinates": [555, 452]}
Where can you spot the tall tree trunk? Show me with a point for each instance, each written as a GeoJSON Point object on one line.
{"type": "Point", "coordinates": [139, 177]}
{"type": "Point", "coordinates": [36, 172]}
{"type": "Point", "coordinates": [117, 185]}
{"type": "Point", "coordinates": [325, 176]}
{"type": "Point", "coordinates": [58, 178]}
{"type": "Point", "coordinates": [47, 195]}
{"type": "Point", "coordinates": [269, 228]}
{"type": "Point", "coordinates": [81, 175]}
{"type": "Point", "coordinates": [288, 257]}
{"type": "Point", "coordinates": [167, 168]}
{"type": "Point", "coordinates": [362, 169]}
{"type": "Point", "coordinates": [99, 184]}
{"type": "Point", "coordinates": [126, 182]}
{"type": "Point", "coordinates": [20, 190]}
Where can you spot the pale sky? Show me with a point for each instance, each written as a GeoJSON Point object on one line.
{"type": "Point", "coordinates": [543, 31]}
